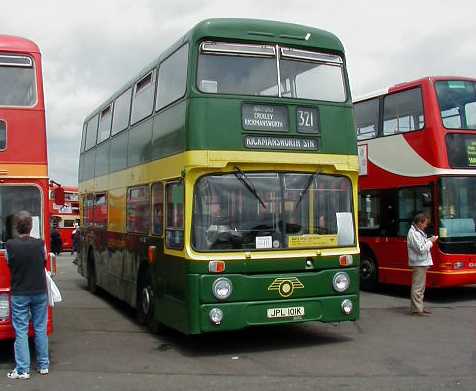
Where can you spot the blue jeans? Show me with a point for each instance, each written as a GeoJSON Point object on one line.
{"type": "Point", "coordinates": [21, 308]}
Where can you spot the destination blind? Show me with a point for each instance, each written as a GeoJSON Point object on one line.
{"type": "Point", "coordinates": [264, 117]}
{"type": "Point", "coordinates": [283, 143]}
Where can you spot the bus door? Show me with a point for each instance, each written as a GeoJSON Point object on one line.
{"type": "Point", "coordinates": [390, 247]}
{"type": "Point", "coordinates": [400, 208]}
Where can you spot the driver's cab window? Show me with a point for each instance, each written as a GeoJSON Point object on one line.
{"type": "Point", "coordinates": [14, 199]}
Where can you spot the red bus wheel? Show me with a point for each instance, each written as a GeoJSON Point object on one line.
{"type": "Point", "coordinates": [368, 272]}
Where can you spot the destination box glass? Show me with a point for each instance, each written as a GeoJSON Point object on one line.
{"type": "Point", "coordinates": [264, 117]}
{"type": "Point", "coordinates": [281, 143]}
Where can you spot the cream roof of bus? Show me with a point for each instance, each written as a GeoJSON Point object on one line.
{"type": "Point", "coordinates": [372, 94]}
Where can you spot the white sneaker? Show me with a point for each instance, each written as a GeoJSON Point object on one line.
{"type": "Point", "coordinates": [43, 371]}
{"type": "Point", "coordinates": [15, 375]}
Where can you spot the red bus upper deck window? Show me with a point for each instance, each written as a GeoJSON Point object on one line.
{"type": "Point", "coordinates": [366, 116]}
{"type": "Point", "coordinates": [457, 99]}
{"type": "Point", "coordinates": [17, 81]}
{"type": "Point", "coordinates": [403, 112]}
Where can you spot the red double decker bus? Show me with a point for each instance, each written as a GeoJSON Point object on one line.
{"type": "Point", "coordinates": [417, 150]}
{"type": "Point", "coordinates": [65, 217]}
{"type": "Point", "coordinates": [23, 155]}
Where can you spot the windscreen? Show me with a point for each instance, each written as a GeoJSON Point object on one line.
{"type": "Point", "coordinates": [457, 225]}
{"type": "Point", "coordinates": [457, 99]}
{"type": "Point", "coordinates": [457, 213]}
{"type": "Point", "coordinates": [17, 81]}
{"type": "Point", "coordinates": [257, 211]}
{"type": "Point", "coordinates": [14, 199]}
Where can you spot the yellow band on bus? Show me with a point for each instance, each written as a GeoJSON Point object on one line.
{"type": "Point", "coordinates": [23, 170]}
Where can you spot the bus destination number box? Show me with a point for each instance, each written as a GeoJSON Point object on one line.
{"type": "Point", "coordinates": [307, 120]}
{"type": "Point", "coordinates": [264, 117]}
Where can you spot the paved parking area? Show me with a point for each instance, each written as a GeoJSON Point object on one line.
{"type": "Point", "coordinates": [98, 345]}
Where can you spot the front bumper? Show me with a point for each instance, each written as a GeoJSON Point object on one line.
{"type": "Point", "coordinates": [255, 313]}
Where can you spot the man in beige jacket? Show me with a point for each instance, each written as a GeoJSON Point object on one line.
{"type": "Point", "coordinates": [419, 259]}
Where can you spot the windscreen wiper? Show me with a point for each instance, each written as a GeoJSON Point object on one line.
{"type": "Point", "coordinates": [241, 176]}
{"type": "Point", "coordinates": [306, 188]}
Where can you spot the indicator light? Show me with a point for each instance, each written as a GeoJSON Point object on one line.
{"type": "Point", "coordinates": [216, 266]}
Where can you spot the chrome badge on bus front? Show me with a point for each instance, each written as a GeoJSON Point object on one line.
{"type": "Point", "coordinates": [285, 285]}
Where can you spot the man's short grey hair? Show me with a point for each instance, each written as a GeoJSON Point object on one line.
{"type": "Point", "coordinates": [420, 218]}
{"type": "Point", "coordinates": [23, 222]}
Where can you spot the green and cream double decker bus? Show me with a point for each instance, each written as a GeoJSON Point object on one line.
{"type": "Point", "coordinates": [219, 186]}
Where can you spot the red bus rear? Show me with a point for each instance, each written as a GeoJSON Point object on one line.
{"type": "Point", "coordinates": [64, 217]}
{"type": "Point", "coordinates": [417, 150]}
{"type": "Point", "coordinates": [23, 154]}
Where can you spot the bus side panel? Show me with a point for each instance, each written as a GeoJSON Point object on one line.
{"type": "Point", "coordinates": [6, 327]}
{"type": "Point", "coordinates": [168, 133]}
{"type": "Point", "coordinates": [171, 284]}
{"type": "Point", "coordinates": [4, 272]}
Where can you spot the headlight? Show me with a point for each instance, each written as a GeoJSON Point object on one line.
{"type": "Point", "coordinates": [341, 282]}
{"type": "Point", "coordinates": [4, 306]}
{"type": "Point", "coordinates": [222, 288]}
{"type": "Point", "coordinates": [346, 307]}
{"type": "Point", "coordinates": [216, 315]}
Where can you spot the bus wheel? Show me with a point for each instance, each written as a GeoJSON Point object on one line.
{"type": "Point", "coordinates": [368, 273]}
{"type": "Point", "coordinates": [92, 286]}
{"type": "Point", "coordinates": [145, 299]}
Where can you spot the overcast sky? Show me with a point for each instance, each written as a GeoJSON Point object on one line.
{"type": "Point", "coordinates": [91, 48]}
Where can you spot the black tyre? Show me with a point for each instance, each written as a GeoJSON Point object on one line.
{"type": "Point", "coordinates": [145, 298]}
{"type": "Point", "coordinates": [368, 272]}
{"type": "Point", "coordinates": [92, 285]}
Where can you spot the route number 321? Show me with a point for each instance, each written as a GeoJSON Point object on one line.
{"type": "Point", "coordinates": [307, 119]}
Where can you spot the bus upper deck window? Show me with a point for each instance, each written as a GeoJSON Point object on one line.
{"type": "Point", "coordinates": [229, 68]}
{"type": "Point", "coordinates": [17, 81]}
{"type": "Point", "coordinates": [250, 69]}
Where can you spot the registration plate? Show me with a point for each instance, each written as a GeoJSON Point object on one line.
{"type": "Point", "coordinates": [287, 312]}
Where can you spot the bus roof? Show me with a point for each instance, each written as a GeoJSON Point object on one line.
{"type": "Point", "coordinates": [407, 84]}
{"type": "Point", "coordinates": [11, 43]}
{"type": "Point", "coordinates": [265, 30]}
{"type": "Point", "coordinates": [252, 30]}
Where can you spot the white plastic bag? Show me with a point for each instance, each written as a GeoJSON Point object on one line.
{"type": "Point", "coordinates": [54, 295]}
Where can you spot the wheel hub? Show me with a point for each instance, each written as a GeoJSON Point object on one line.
{"type": "Point", "coordinates": [146, 299]}
{"type": "Point", "coordinates": [366, 269]}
